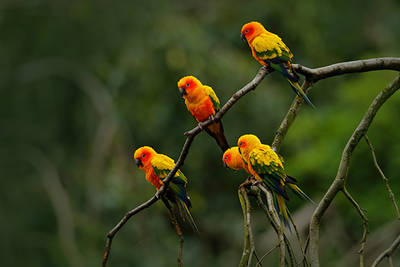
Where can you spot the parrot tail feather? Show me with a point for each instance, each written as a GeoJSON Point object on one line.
{"type": "Point", "coordinates": [296, 87]}
{"type": "Point", "coordinates": [216, 130]}
{"type": "Point", "coordinates": [280, 206]}
{"type": "Point", "coordinates": [188, 216]}
{"type": "Point", "coordinates": [300, 193]}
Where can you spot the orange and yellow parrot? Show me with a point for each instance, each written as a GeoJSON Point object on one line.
{"type": "Point", "coordinates": [233, 160]}
{"type": "Point", "coordinates": [203, 103]}
{"type": "Point", "coordinates": [266, 166]}
{"type": "Point", "coordinates": [269, 49]}
{"type": "Point", "coordinates": [156, 167]}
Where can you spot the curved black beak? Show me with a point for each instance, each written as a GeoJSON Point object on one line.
{"type": "Point", "coordinates": [182, 91]}
{"type": "Point", "coordinates": [243, 37]}
{"type": "Point", "coordinates": [138, 162]}
{"type": "Point", "coordinates": [226, 166]}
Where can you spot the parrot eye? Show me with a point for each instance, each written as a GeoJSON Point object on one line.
{"type": "Point", "coordinates": [246, 31]}
{"type": "Point", "coordinates": [240, 144]}
{"type": "Point", "coordinates": [143, 155]}
{"type": "Point", "coordinates": [226, 157]}
{"type": "Point", "coordinates": [188, 84]}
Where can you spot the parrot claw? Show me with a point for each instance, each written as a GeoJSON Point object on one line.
{"type": "Point", "coordinates": [200, 124]}
{"type": "Point", "coordinates": [255, 183]}
{"type": "Point", "coordinates": [211, 117]}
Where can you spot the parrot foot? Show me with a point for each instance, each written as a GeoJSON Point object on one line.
{"type": "Point", "coordinates": [256, 183]}
{"type": "Point", "coordinates": [200, 124]}
{"type": "Point", "coordinates": [251, 177]}
{"type": "Point", "coordinates": [211, 117]}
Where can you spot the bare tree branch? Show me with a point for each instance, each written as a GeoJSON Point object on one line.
{"type": "Point", "coordinates": [185, 150]}
{"type": "Point", "coordinates": [314, 75]}
{"type": "Point", "coordinates": [365, 224]}
{"type": "Point", "coordinates": [268, 212]}
{"type": "Point", "coordinates": [311, 76]}
{"type": "Point", "coordinates": [386, 180]}
{"type": "Point", "coordinates": [277, 223]}
{"type": "Point", "coordinates": [289, 118]}
{"type": "Point", "coordinates": [341, 175]}
{"type": "Point", "coordinates": [248, 241]}
{"type": "Point", "coordinates": [387, 253]}
{"type": "Point", "coordinates": [266, 254]}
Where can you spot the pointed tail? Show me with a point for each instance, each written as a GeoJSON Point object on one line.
{"type": "Point", "coordinates": [216, 130]}
{"type": "Point", "coordinates": [292, 183]}
{"type": "Point", "coordinates": [281, 208]}
{"type": "Point", "coordinates": [296, 87]}
{"type": "Point", "coordinates": [300, 193]}
{"type": "Point", "coordinates": [188, 215]}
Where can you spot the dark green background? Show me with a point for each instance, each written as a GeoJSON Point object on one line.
{"type": "Point", "coordinates": [84, 83]}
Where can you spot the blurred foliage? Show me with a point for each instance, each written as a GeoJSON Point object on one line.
{"type": "Point", "coordinates": [84, 83]}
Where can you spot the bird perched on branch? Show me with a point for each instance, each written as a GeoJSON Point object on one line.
{"type": "Point", "coordinates": [233, 160]}
{"type": "Point", "coordinates": [156, 167]}
{"type": "Point", "coordinates": [266, 166]}
{"type": "Point", "coordinates": [269, 49]}
{"type": "Point", "coordinates": [203, 103]}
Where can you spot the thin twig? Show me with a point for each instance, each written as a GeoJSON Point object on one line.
{"type": "Point", "coordinates": [248, 243]}
{"type": "Point", "coordinates": [277, 223]}
{"type": "Point", "coordinates": [304, 260]}
{"type": "Point", "coordinates": [289, 118]}
{"type": "Point", "coordinates": [266, 254]}
{"type": "Point", "coordinates": [273, 223]}
{"type": "Point", "coordinates": [386, 180]}
{"type": "Point", "coordinates": [387, 253]}
{"type": "Point", "coordinates": [365, 224]}
{"type": "Point", "coordinates": [178, 230]}
{"type": "Point", "coordinates": [341, 175]}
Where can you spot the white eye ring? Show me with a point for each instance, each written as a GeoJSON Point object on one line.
{"type": "Point", "coordinates": [188, 84]}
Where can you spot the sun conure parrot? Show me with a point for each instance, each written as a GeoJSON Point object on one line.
{"type": "Point", "coordinates": [265, 165]}
{"type": "Point", "coordinates": [156, 167]}
{"type": "Point", "coordinates": [268, 49]}
{"type": "Point", "coordinates": [233, 159]}
{"type": "Point", "coordinates": [203, 103]}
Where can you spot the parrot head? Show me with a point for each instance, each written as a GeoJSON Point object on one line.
{"type": "Point", "coordinates": [232, 159]}
{"type": "Point", "coordinates": [143, 156]}
{"type": "Point", "coordinates": [251, 30]}
{"type": "Point", "coordinates": [246, 144]}
{"type": "Point", "coordinates": [187, 85]}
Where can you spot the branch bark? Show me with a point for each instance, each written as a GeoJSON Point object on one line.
{"type": "Point", "coordinates": [388, 252]}
{"type": "Point", "coordinates": [391, 195]}
{"type": "Point", "coordinates": [339, 181]}
{"type": "Point", "coordinates": [248, 242]}
{"type": "Point", "coordinates": [314, 75]}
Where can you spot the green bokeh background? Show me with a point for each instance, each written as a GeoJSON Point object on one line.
{"type": "Point", "coordinates": [84, 83]}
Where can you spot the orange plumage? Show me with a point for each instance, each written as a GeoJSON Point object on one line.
{"type": "Point", "coordinates": [203, 103]}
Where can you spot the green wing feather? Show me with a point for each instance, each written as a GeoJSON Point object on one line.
{"type": "Point", "coordinates": [213, 97]}
{"type": "Point", "coordinates": [163, 164]}
{"type": "Point", "coordinates": [266, 163]}
{"type": "Point", "coordinates": [270, 46]}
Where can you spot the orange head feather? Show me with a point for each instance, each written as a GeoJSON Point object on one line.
{"type": "Point", "coordinates": [232, 159]}
{"type": "Point", "coordinates": [246, 144]}
{"type": "Point", "coordinates": [251, 30]}
{"type": "Point", "coordinates": [143, 156]}
{"type": "Point", "coordinates": [188, 85]}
